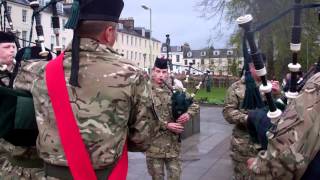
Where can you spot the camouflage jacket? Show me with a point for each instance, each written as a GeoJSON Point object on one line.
{"type": "Point", "coordinates": [165, 144]}
{"type": "Point", "coordinates": [232, 111]}
{"type": "Point", "coordinates": [4, 78]}
{"type": "Point", "coordinates": [242, 147]}
{"type": "Point", "coordinates": [113, 104]}
{"type": "Point", "coordinates": [296, 139]}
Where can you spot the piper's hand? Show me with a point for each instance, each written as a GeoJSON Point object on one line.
{"type": "Point", "coordinates": [183, 118]}
{"type": "Point", "coordinates": [275, 87]}
{"type": "Point", "coordinates": [250, 163]}
{"type": "Point", "coordinates": [175, 127]}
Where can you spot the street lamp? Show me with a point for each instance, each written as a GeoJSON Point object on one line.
{"type": "Point", "coordinates": [150, 46]}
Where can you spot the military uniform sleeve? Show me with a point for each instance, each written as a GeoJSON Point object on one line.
{"type": "Point", "coordinates": [295, 142]}
{"type": "Point", "coordinates": [29, 72]}
{"type": "Point", "coordinates": [143, 122]}
{"type": "Point", "coordinates": [231, 109]}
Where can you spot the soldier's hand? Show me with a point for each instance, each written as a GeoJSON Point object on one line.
{"type": "Point", "coordinates": [183, 118]}
{"type": "Point", "coordinates": [250, 163]}
{"type": "Point", "coordinates": [275, 87]}
{"type": "Point", "coordinates": [175, 127]}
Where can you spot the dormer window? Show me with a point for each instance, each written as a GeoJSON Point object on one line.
{"type": "Point", "coordinates": [60, 8]}
{"type": "Point", "coordinates": [189, 54]}
{"type": "Point", "coordinates": [203, 53]}
{"type": "Point", "coordinates": [164, 49]}
{"type": "Point", "coordinates": [216, 53]}
{"type": "Point", "coordinates": [229, 52]}
{"type": "Point", "coordinates": [179, 48]}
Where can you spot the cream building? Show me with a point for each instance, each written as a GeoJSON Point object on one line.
{"type": "Point", "coordinates": [220, 61]}
{"type": "Point", "coordinates": [135, 44]}
{"type": "Point", "coordinates": [21, 14]}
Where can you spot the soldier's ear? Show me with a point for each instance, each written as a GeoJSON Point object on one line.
{"type": "Point", "coordinates": [109, 33]}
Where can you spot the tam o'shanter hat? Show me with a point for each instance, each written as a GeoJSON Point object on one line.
{"type": "Point", "coordinates": [161, 63]}
{"type": "Point", "coordinates": [89, 10]}
{"type": "Point", "coordinates": [6, 37]}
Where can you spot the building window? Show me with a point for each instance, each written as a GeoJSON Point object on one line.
{"type": "Point", "coordinates": [203, 53]}
{"type": "Point", "coordinates": [164, 49]}
{"type": "Point", "coordinates": [9, 10]}
{"type": "Point", "coordinates": [24, 37]}
{"type": "Point", "coordinates": [185, 62]}
{"type": "Point", "coordinates": [127, 40]}
{"type": "Point", "coordinates": [131, 55]}
{"type": "Point", "coordinates": [229, 52]}
{"type": "Point", "coordinates": [135, 56]}
{"type": "Point", "coordinates": [63, 43]}
{"type": "Point", "coordinates": [24, 15]}
{"type": "Point", "coordinates": [202, 61]}
{"type": "Point", "coordinates": [135, 41]}
{"type": "Point", "coordinates": [60, 8]}
{"type": "Point", "coordinates": [41, 2]}
{"type": "Point", "coordinates": [63, 23]}
{"type": "Point", "coordinates": [189, 54]}
{"type": "Point", "coordinates": [127, 54]}
{"type": "Point", "coordinates": [122, 38]}
{"type": "Point", "coordinates": [178, 58]}
{"type": "Point", "coordinates": [216, 53]}
{"type": "Point", "coordinates": [193, 61]}
{"type": "Point", "coordinates": [52, 42]}
{"type": "Point", "coordinates": [131, 41]}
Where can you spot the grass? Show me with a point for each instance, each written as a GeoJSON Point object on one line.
{"type": "Point", "coordinates": [216, 96]}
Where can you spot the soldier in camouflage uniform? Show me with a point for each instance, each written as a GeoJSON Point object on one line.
{"type": "Point", "coordinates": [165, 149]}
{"type": "Point", "coordinates": [112, 105]}
{"type": "Point", "coordinates": [295, 142]}
{"type": "Point", "coordinates": [16, 162]}
{"type": "Point", "coordinates": [7, 53]}
{"type": "Point", "coordinates": [242, 147]}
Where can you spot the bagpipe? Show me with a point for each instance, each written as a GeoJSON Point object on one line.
{"type": "Point", "coordinates": [180, 100]}
{"type": "Point", "coordinates": [263, 126]}
{"type": "Point", "coordinates": [17, 114]}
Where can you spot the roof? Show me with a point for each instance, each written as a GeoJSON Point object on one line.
{"type": "Point", "coordinates": [209, 53]}
{"type": "Point", "coordinates": [172, 48]}
{"type": "Point", "coordinates": [135, 33]}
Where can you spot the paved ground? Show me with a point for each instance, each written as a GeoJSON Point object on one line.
{"type": "Point", "coordinates": [205, 156]}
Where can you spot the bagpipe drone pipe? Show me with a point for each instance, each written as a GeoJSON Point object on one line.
{"type": "Point", "coordinates": [262, 125]}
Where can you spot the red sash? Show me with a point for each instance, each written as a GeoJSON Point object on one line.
{"type": "Point", "coordinates": [75, 151]}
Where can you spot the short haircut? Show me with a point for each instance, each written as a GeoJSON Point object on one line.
{"type": "Point", "coordinates": [92, 29]}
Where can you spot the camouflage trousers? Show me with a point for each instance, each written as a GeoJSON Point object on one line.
{"type": "Point", "coordinates": [8, 171]}
{"type": "Point", "coordinates": [156, 168]}
{"type": "Point", "coordinates": [241, 150]}
{"type": "Point", "coordinates": [18, 168]}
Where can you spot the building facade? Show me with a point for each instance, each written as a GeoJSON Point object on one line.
{"type": "Point", "coordinates": [222, 62]}
{"type": "Point", "coordinates": [134, 44]}
{"type": "Point", "coordinates": [21, 14]}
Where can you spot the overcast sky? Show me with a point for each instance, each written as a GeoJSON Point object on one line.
{"type": "Point", "coordinates": [177, 18]}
